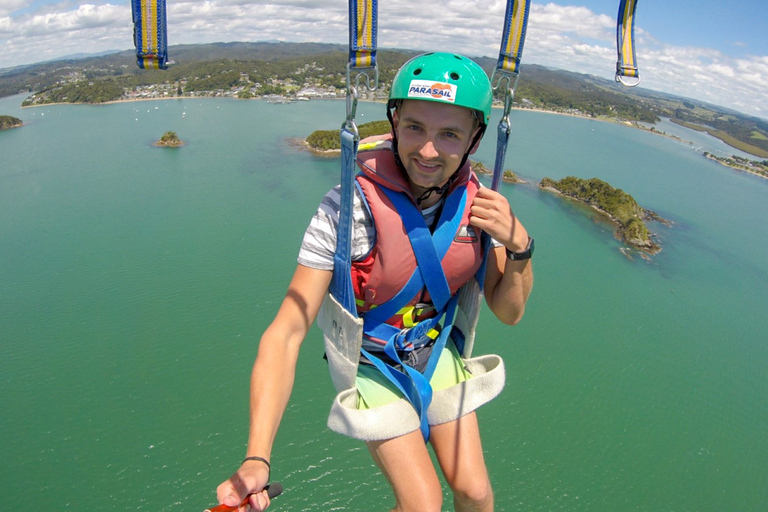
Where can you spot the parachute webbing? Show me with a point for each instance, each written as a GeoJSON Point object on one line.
{"type": "Point", "coordinates": [150, 33]}
{"type": "Point", "coordinates": [505, 77]}
{"type": "Point", "coordinates": [363, 19]}
{"type": "Point", "coordinates": [362, 57]}
{"type": "Point", "coordinates": [341, 282]}
{"type": "Point", "coordinates": [626, 65]}
{"type": "Point", "coordinates": [513, 36]}
{"type": "Point", "coordinates": [508, 70]}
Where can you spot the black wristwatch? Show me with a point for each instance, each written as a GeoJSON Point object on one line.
{"type": "Point", "coordinates": [525, 255]}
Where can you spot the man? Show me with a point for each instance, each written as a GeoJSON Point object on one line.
{"type": "Point", "coordinates": [439, 108]}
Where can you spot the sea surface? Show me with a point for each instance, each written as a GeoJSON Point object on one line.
{"type": "Point", "coordinates": [135, 283]}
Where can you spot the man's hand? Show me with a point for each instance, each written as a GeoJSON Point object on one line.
{"type": "Point", "coordinates": [491, 213]}
{"type": "Point", "coordinates": [251, 477]}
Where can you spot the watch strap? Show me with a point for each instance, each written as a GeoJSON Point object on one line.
{"type": "Point", "coordinates": [524, 255]}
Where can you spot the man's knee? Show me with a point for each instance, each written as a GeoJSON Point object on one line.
{"type": "Point", "coordinates": [421, 500]}
{"type": "Point", "coordinates": [474, 495]}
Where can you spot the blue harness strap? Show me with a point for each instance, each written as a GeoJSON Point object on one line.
{"type": "Point", "coordinates": [429, 250]}
{"type": "Point", "coordinates": [505, 77]}
{"type": "Point", "coordinates": [363, 21]}
{"type": "Point", "coordinates": [506, 74]}
{"type": "Point", "coordinates": [341, 282]}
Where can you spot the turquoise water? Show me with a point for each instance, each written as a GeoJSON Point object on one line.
{"type": "Point", "coordinates": [135, 282]}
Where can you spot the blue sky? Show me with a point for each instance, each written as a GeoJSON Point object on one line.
{"type": "Point", "coordinates": [711, 50]}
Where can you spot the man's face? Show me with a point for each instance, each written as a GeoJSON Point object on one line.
{"type": "Point", "coordinates": [432, 139]}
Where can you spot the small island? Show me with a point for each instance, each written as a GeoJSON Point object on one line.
{"type": "Point", "coordinates": [169, 140]}
{"type": "Point", "coordinates": [8, 122]}
{"type": "Point", "coordinates": [507, 176]}
{"type": "Point", "coordinates": [616, 204]}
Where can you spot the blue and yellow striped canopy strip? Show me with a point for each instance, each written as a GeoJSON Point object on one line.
{"type": "Point", "coordinates": [150, 33]}
{"type": "Point", "coordinates": [626, 65]}
{"type": "Point", "coordinates": [513, 36]}
{"type": "Point", "coordinates": [363, 20]}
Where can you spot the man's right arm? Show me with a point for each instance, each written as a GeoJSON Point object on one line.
{"type": "Point", "coordinates": [272, 381]}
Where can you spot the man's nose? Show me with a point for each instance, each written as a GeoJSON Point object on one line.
{"type": "Point", "coordinates": [428, 150]}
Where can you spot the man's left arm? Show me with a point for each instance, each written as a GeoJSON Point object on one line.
{"type": "Point", "coordinates": [508, 282]}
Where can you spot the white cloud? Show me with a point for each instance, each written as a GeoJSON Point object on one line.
{"type": "Point", "coordinates": [49, 24]}
{"type": "Point", "coordinates": [567, 37]}
{"type": "Point", "coordinates": [8, 7]}
{"type": "Point", "coordinates": [579, 21]}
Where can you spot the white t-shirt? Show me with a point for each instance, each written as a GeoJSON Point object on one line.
{"type": "Point", "coordinates": [319, 244]}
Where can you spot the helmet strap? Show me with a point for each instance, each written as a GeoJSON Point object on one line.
{"type": "Point", "coordinates": [390, 107]}
{"type": "Point", "coordinates": [475, 141]}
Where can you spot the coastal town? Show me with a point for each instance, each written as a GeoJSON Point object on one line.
{"type": "Point", "coordinates": [301, 76]}
{"type": "Point", "coordinates": [276, 90]}
{"type": "Point", "coordinates": [78, 86]}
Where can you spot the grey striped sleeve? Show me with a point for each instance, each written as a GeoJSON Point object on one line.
{"type": "Point", "coordinates": [319, 242]}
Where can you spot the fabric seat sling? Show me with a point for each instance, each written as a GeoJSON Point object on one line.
{"type": "Point", "coordinates": [457, 312]}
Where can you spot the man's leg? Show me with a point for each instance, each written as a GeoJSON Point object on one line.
{"type": "Point", "coordinates": [460, 453]}
{"type": "Point", "coordinates": [408, 467]}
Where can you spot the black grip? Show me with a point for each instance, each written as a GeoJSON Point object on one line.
{"type": "Point", "coordinates": [274, 489]}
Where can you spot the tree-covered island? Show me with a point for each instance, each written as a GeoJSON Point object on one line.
{"type": "Point", "coordinates": [619, 206]}
{"type": "Point", "coordinates": [329, 141]}
{"type": "Point", "coordinates": [169, 140]}
{"type": "Point", "coordinates": [7, 122]}
{"type": "Point", "coordinates": [507, 176]}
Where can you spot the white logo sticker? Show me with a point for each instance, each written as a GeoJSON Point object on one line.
{"type": "Point", "coordinates": [432, 90]}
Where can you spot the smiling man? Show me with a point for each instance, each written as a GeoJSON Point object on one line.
{"type": "Point", "coordinates": [418, 215]}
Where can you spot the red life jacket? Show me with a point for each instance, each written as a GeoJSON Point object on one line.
{"type": "Point", "coordinates": [391, 262]}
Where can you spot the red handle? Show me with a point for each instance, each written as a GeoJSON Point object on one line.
{"type": "Point", "coordinates": [273, 489]}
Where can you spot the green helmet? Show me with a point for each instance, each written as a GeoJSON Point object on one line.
{"type": "Point", "coordinates": [444, 78]}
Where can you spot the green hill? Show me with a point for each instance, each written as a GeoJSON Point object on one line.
{"type": "Point", "coordinates": [257, 69]}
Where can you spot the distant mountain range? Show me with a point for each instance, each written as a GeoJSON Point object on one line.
{"type": "Point", "coordinates": [217, 66]}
